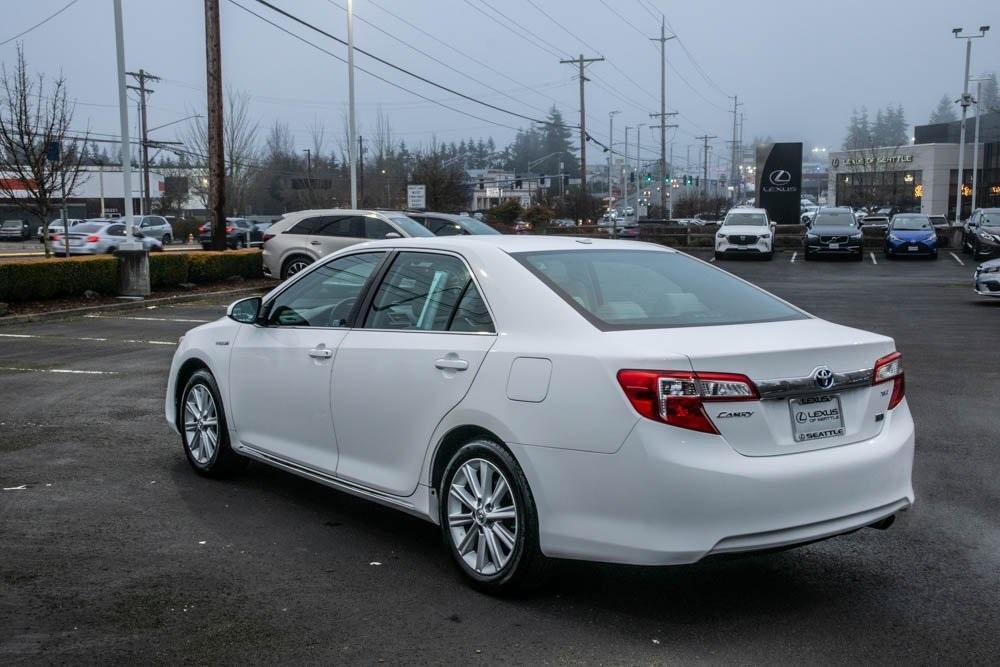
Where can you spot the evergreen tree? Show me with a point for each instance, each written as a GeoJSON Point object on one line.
{"type": "Point", "coordinates": [944, 112]}
{"type": "Point", "coordinates": [859, 131]}
{"type": "Point", "coordinates": [896, 128]}
{"type": "Point", "coordinates": [990, 96]}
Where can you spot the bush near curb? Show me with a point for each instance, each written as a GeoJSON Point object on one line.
{"type": "Point", "coordinates": [39, 279]}
{"type": "Point", "coordinates": [35, 280]}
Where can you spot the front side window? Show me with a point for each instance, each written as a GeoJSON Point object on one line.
{"type": "Point", "coordinates": [649, 289]}
{"type": "Point", "coordinates": [428, 292]}
{"type": "Point", "coordinates": [326, 296]}
{"type": "Point", "coordinates": [377, 229]}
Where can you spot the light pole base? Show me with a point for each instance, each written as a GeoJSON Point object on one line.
{"type": "Point", "coordinates": [133, 272]}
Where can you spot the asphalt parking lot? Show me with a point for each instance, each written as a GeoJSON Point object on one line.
{"type": "Point", "coordinates": [111, 548]}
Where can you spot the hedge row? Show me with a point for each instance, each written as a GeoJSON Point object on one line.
{"type": "Point", "coordinates": [38, 279]}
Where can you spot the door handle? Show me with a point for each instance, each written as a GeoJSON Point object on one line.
{"type": "Point", "coordinates": [315, 242]}
{"type": "Point", "coordinates": [451, 364]}
{"type": "Point", "coordinates": [321, 352]}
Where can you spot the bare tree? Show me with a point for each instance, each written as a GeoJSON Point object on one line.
{"type": "Point", "coordinates": [239, 136]}
{"type": "Point", "coordinates": [383, 142]}
{"type": "Point", "coordinates": [317, 133]}
{"type": "Point", "coordinates": [32, 117]}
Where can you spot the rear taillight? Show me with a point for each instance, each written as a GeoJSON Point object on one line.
{"type": "Point", "coordinates": [677, 397]}
{"type": "Point", "coordinates": [229, 230]}
{"type": "Point", "coordinates": [890, 367]}
{"type": "Point", "coordinates": [201, 228]}
{"type": "Point", "coordinates": [266, 238]}
{"type": "Point", "coordinates": [93, 238]}
{"type": "Point", "coordinates": [54, 237]}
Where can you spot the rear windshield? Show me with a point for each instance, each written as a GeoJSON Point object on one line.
{"type": "Point", "coordinates": [650, 289]}
{"type": "Point", "coordinates": [746, 220]}
{"type": "Point", "coordinates": [410, 226]}
{"type": "Point", "coordinates": [88, 227]}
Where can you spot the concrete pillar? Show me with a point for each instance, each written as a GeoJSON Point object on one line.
{"type": "Point", "coordinates": [133, 273]}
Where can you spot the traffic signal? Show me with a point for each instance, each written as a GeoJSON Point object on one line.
{"type": "Point", "coordinates": [649, 178]}
{"type": "Point", "coordinates": [517, 183]}
{"type": "Point", "coordinates": [541, 179]}
{"type": "Point", "coordinates": [666, 179]}
{"type": "Point", "coordinates": [481, 185]}
{"type": "Point", "coordinates": [697, 181]}
{"type": "Point", "coordinates": [631, 177]}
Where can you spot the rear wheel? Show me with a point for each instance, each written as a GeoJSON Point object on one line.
{"type": "Point", "coordinates": [167, 240]}
{"type": "Point", "coordinates": [489, 521]}
{"type": "Point", "coordinates": [293, 265]}
{"type": "Point", "coordinates": [204, 432]}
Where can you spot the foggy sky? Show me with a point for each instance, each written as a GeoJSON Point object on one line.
{"type": "Point", "coordinates": [798, 67]}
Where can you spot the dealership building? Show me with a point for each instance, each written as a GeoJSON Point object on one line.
{"type": "Point", "coordinates": [922, 176]}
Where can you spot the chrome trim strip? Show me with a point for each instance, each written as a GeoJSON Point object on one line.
{"type": "Point", "coordinates": [324, 478]}
{"type": "Point", "coordinates": [806, 386]}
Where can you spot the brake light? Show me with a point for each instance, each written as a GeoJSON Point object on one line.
{"type": "Point", "coordinates": [677, 397]}
{"type": "Point", "coordinates": [890, 367]}
{"type": "Point", "coordinates": [229, 230]}
{"type": "Point", "coordinates": [54, 237]}
{"type": "Point", "coordinates": [93, 238]}
{"type": "Point", "coordinates": [266, 238]}
{"type": "Point", "coordinates": [202, 228]}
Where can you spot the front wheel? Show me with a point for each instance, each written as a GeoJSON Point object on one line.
{"type": "Point", "coordinates": [768, 256]}
{"type": "Point", "coordinates": [204, 432]}
{"type": "Point", "coordinates": [167, 240]}
{"type": "Point", "coordinates": [489, 521]}
{"type": "Point", "coordinates": [978, 254]}
{"type": "Point", "coordinates": [719, 255]}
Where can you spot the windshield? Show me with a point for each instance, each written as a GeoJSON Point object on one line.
{"type": "Point", "coordinates": [651, 289]}
{"type": "Point", "coordinates": [746, 220]}
{"type": "Point", "coordinates": [911, 222]}
{"type": "Point", "coordinates": [991, 217]}
{"type": "Point", "coordinates": [474, 226]}
{"type": "Point", "coordinates": [834, 219]}
{"type": "Point", "coordinates": [12, 224]}
{"type": "Point", "coordinates": [410, 226]}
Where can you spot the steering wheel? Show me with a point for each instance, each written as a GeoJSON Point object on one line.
{"type": "Point", "coordinates": [340, 312]}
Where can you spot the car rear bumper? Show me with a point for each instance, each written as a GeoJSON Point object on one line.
{"type": "Point", "coordinates": [669, 496]}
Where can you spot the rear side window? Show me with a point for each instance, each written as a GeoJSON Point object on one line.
{"type": "Point", "coordinates": [649, 289]}
{"type": "Point", "coordinates": [428, 292]}
{"type": "Point", "coordinates": [308, 226]}
{"type": "Point", "coordinates": [377, 229]}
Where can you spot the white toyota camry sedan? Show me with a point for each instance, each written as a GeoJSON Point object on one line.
{"type": "Point", "coordinates": [552, 397]}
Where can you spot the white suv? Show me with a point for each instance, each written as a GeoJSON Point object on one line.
{"type": "Point", "coordinates": [302, 237]}
{"type": "Point", "coordinates": [745, 231]}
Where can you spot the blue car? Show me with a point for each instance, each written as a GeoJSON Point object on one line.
{"type": "Point", "coordinates": [911, 234]}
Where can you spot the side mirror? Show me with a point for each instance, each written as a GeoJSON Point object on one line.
{"type": "Point", "coordinates": [244, 311]}
{"type": "Point", "coordinates": [393, 235]}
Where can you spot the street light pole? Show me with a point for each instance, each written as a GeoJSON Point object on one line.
{"type": "Point", "coordinates": [975, 143]}
{"type": "Point", "coordinates": [350, 94]}
{"type": "Point", "coordinates": [965, 102]}
{"type": "Point", "coordinates": [611, 152]}
{"type": "Point", "coordinates": [126, 153]}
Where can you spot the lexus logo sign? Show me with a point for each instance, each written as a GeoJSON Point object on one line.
{"type": "Point", "coordinates": [780, 177]}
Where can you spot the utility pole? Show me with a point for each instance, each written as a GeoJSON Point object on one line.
{"type": "Point", "coordinates": [734, 144]}
{"type": "Point", "coordinates": [965, 101]}
{"type": "Point", "coordinates": [624, 184]}
{"type": "Point", "coordinates": [361, 170]}
{"type": "Point", "coordinates": [663, 39]}
{"type": "Point", "coordinates": [309, 173]}
{"type": "Point", "coordinates": [663, 127]}
{"type": "Point", "coordinates": [611, 152]}
{"type": "Point", "coordinates": [353, 129]}
{"type": "Point", "coordinates": [582, 62]}
{"type": "Point", "coordinates": [975, 143]}
{"type": "Point", "coordinates": [216, 150]}
{"type": "Point", "coordinates": [126, 151]}
{"type": "Point", "coordinates": [142, 76]}
{"type": "Point", "coordinates": [704, 163]}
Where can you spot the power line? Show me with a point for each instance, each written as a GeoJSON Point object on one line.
{"type": "Point", "coordinates": [39, 24]}
{"type": "Point", "coordinates": [552, 49]}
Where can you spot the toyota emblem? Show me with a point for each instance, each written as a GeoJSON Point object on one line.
{"type": "Point", "coordinates": [823, 377]}
{"type": "Point", "coordinates": [780, 177]}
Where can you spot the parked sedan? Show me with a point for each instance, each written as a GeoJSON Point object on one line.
{"type": "Point", "coordinates": [447, 224]}
{"type": "Point", "coordinates": [99, 237]}
{"type": "Point", "coordinates": [57, 225]}
{"type": "Point", "coordinates": [240, 233]}
{"type": "Point", "coordinates": [875, 222]}
{"type": "Point", "coordinates": [15, 230]}
{"type": "Point", "coordinates": [911, 234]}
{"type": "Point", "coordinates": [981, 234]}
{"type": "Point", "coordinates": [554, 397]}
{"type": "Point", "coordinates": [834, 232]}
{"type": "Point", "coordinates": [987, 278]}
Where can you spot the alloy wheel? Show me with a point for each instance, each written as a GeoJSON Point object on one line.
{"type": "Point", "coordinates": [482, 516]}
{"type": "Point", "coordinates": [201, 424]}
{"type": "Point", "coordinates": [295, 266]}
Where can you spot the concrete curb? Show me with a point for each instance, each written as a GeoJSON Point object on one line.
{"type": "Point", "coordinates": [127, 305]}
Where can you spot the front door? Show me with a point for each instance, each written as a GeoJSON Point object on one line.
{"type": "Point", "coordinates": [411, 359]}
{"type": "Point", "coordinates": [279, 372]}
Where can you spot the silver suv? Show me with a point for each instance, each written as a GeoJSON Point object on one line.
{"type": "Point", "coordinates": [302, 237]}
{"type": "Point", "coordinates": [157, 227]}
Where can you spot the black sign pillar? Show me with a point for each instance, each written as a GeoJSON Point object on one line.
{"type": "Point", "coordinates": [779, 181]}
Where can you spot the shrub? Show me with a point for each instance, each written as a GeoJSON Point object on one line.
{"type": "Point", "coordinates": [207, 266]}
{"type": "Point", "coordinates": [58, 277]}
{"type": "Point", "coordinates": [167, 269]}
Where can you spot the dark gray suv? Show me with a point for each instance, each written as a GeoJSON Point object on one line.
{"type": "Point", "coordinates": [834, 231]}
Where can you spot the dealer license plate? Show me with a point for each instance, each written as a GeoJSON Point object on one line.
{"type": "Point", "coordinates": [913, 248]}
{"type": "Point", "coordinates": [834, 246]}
{"type": "Point", "coordinates": [816, 417]}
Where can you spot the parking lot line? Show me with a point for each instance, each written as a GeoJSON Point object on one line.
{"type": "Point", "coordinates": [148, 319]}
{"type": "Point", "coordinates": [91, 339]}
{"type": "Point", "coordinates": [711, 260]}
{"type": "Point", "coordinates": [794, 255]}
{"type": "Point", "coordinates": [66, 371]}
{"type": "Point", "coordinates": [872, 255]}
{"type": "Point", "coordinates": [957, 258]}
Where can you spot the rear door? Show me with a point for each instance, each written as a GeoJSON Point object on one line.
{"type": "Point", "coordinates": [411, 359]}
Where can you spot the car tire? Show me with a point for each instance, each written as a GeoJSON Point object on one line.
{"type": "Point", "coordinates": [206, 246]}
{"type": "Point", "coordinates": [111, 250]}
{"type": "Point", "coordinates": [167, 240]}
{"type": "Point", "coordinates": [199, 407]}
{"type": "Point", "coordinates": [978, 254]}
{"type": "Point", "coordinates": [860, 257]}
{"type": "Point", "coordinates": [808, 256]}
{"type": "Point", "coordinates": [498, 556]}
{"type": "Point", "coordinates": [966, 246]}
{"type": "Point", "coordinates": [293, 265]}
{"type": "Point", "coordinates": [240, 243]}
{"type": "Point", "coordinates": [720, 255]}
